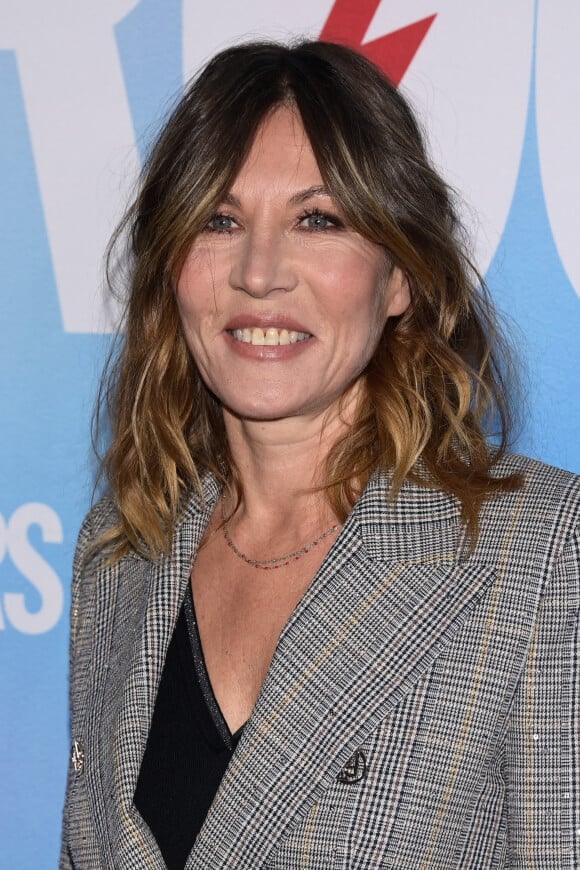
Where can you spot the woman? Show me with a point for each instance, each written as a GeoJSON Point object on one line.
{"type": "Point", "coordinates": [319, 621]}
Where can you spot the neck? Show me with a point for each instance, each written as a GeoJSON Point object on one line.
{"type": "Point", "coordinates": [279, 462]}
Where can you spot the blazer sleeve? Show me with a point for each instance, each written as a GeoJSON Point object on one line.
{"type": "Point", "coordinates": [543, 747]}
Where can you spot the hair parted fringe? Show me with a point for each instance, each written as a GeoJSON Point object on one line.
{"type": "Point", "coordinates": [439, 382]}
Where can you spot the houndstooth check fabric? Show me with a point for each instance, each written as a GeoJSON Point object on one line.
{"type": "Point", "coordinates": [421, 711]}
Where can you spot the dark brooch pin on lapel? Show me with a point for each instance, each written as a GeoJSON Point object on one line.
{"type": "Point", "coordinates": [354, 770]}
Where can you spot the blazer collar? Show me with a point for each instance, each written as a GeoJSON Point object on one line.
{"type": "Point", "coordinates": [390, 595]}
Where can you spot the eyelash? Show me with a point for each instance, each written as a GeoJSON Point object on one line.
{"type": "Point", "coordinates": [217, 217]}
{"type": "Point", "coordinates": [333, 220]}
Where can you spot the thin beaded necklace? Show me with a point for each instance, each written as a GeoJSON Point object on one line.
{"type": "Point", "coordinates": [280, 561]}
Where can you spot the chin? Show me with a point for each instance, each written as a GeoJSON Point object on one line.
{"type": "Point", "coordinates": [259, 413]}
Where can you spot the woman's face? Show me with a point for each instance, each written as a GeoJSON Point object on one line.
{"type": "Point", "coordinates": [282, 303]}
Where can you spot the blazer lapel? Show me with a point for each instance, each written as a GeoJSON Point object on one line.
{"type": "Point", "coordinates": [390, 595]}
{"type": "Point", "coordinates": [162, 585]}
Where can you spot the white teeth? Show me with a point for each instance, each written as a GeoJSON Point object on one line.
{"type": "Point", "coordinates": [271, 337]}
{"type": "Point", "coordinates": [258, 337]}
{"type": "Point", "coordinates": [243, 335]}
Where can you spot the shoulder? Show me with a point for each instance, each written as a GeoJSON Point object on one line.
{"type": "Point", "coordinates": [102, 516]}
{"type": "Point", "coordinates": [539, 477]}
{"type": "Point", "coordinates": [105, 515]}
{"type": "Point", "coordinates": [531, 532]}
{"type": "Point", "coordinates": [527, 526]}
{"type": "Point", "coordinates": [546, 493]}
{"type": "Point", "coordinates": [549, 497]}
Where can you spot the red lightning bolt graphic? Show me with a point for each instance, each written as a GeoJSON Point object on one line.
{"type": "Point", "coordinates": [349, 21]}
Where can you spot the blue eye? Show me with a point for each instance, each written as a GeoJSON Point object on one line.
{"type": "Point", "coordinates": [221, 223]}
{"type": "Point", "coordinates": [318, 220]}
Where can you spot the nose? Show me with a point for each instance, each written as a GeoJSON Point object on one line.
{"type": "Point", "coordinates": [262, 264]}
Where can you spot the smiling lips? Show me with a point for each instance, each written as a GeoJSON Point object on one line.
{"type": "Point", "coordinates": [271, 337]}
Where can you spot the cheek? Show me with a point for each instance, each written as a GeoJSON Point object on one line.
{"type": "Point", "coordinates": [186, 313]}
{"type": "Point", "coordinates": [197, 304]}
{"type": "Point", "coordinates": [191, 325]}
{"type": "Point", "coordinates": [365, 324]}
{"type": "Point", "coordinates": [196, 286]}
{"type": "Point", "coordinates": [361, 271]}
{"type": "Point", "coordinates": [187, 309]}
{"type": "Point", "coordinates": [361, 303]}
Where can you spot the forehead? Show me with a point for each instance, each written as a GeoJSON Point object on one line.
{"type": "Point", "coordinates": [281, 157]}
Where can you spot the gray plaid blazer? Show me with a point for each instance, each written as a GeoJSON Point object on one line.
{"type": "Point", "coordinates": [421, 709]}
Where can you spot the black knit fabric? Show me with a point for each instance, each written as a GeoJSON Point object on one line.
{"type": "Point", "coordinates": [188, 748]}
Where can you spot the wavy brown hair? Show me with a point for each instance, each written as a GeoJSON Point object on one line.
{"type": "Point", "coordinates": [437, 386]}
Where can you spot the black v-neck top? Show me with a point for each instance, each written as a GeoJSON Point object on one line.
{"type": "Point", "coordinates": [188, 748]}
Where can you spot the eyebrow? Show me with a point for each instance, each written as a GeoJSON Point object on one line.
{"type": "Point", "coordinates": [303, 195]}
{"type": "Point", "coordinates": [298, 198]}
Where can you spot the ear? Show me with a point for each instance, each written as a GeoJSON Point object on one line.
{"type": "Point", "coordinates": [398, 295]}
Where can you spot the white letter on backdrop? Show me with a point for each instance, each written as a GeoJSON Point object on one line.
{"type": "Point", "coordinates": [36, 570]}
{"type": "Point", "coordinates": [82, 137]}
{"type": "Point", "coordinates": [557, 100]}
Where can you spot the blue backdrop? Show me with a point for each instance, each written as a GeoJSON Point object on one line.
{"type": "Point", "coordinates": [51, 358]}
